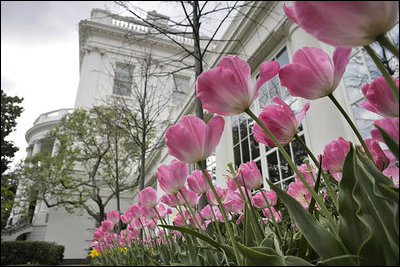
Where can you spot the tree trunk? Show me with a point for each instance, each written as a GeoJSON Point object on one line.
{"type": "Point", "coordinates": [198, 69]}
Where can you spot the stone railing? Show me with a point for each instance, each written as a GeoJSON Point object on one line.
{"type": "Point", "coordinates": [52, 115]}
{"type": "Point", "coordinates": [131, 26]}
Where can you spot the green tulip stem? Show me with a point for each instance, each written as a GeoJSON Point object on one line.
{"type": "Point", "coordinates": [167, 234]}
{"type": "Point", "coordinates": [272, 216]}
{"type": "Point", "coordinates": [190, 210]}
{"type": "Point", "coordinates": [226, 221]}
{"type": "Point", "coordinates": [247, 202]}
{"type": "Point", "coordinates": [296, 170]}
{"type": "Point", "coordinates": [324, 175]}
{"type": "Point", "coordinates": [384, 71]}
{"type": "Point", "coordinates": [178, 207]}
{"type": "Point", "coordinates": [386, 42]}
{"type": "Point", "coordinates": [340, 108]}
{"type": "Point", "coordinates": [216, 224]}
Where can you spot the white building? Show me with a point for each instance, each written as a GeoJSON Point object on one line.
{"type": "Point", "coordinates": [263, 33]}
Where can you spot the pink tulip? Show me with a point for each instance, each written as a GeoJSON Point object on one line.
{"type": "Point", "coordinates": [276, 214]}
{"type": "Point", "coordinates": [392, 170]}
{"type": "Point", "coordinates": [206, 213]}
{"type": "Point", "coordinates": [334, 155]}
{"type": "Point", "coordinates": [99, 234]}
{"type": "Point", "coordinates": [190, 196]}
{"type": "Point", "coordinates": [171, 178]}
{"type": "Point", "coordinates": [250, 174]}
{"type": "Point", "coordinates": [162, 211]}
{"type": "Point", "coordinates": [135, 210]}
{"type": "Point", "coordinates": [178, 220]}
{"type": "Point", "coordinates": [113, 216]}
{"type": "Point", "coordinates": [107, 226]}
{"type": "Point", "coordinates": [148, 213]}
{"type": "Point", "coordinates": [193, 222]}
{"type": "Point", "coordinates": [151, 225]}
{"type": "Point", "coordinates": [211, 197]}
{"type": "Point", "coordinates": [227, 89]}
{"type": "Point", "coordinates": [137, 223]}
{"type": "Point", "coordinates": [170, 200]}
{"type": "Point", "coordinates": [344, 23]}
{"type": "Point", "coordinates": [298, 191]}
{"type": "Point", "coordinates": [312, 74]}
{"type": "Point", "coordinates": [191, 140]}
{"type": "Point", "coordinates": [198, 183]}
{"type": "Point", "coordinates": [231, 184]}
{"type": "Point", "coordinates": [234, 205]}
{"type": "Point", "coordinates": [337, 176]}
{"type": "Point", "coordinates": [379, 157]}
{"type": "Point", "coordinates": [240, 219]}
{"type": "Point", "coordinates": [380, 98]}
{"type": "Point", "coordinates": [127, 217]}
{"type": "Point", "coordinates": [390, 126]}
{"type": "Point", "coordinates": [148, 197]}
{"type": "Point", "coordinates": [259, 201]}
{"type": "Point", "coordinates": [280, 120]}
{"type": "Point", "coordinates": [309, 176]}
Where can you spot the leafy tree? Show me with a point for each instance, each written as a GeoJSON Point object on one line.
{"type": "Point", "coordinates": [10, 111]}
{"type": "Point", "coordinates": [92, 165]}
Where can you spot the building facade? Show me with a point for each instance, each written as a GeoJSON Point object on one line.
{"type": "Point", "coordinates": [110, 46]}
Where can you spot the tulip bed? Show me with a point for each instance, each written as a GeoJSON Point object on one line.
{"type": "Point", "coordinates": [343, 207]}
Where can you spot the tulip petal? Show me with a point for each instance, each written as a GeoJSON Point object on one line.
{"type": "Point", "coordinates": [340, 61]}
{"type": "Point", "coordinates": [300, 81]}
{"type": "Point", "coordinates": [240, 69]}
{"type": "Point", "coordinates": [302, 113]}
{"type": "Point", "coordinates": [318, 62]}
{"type": "Point", "coordinates": [185, 140]}
{"type": "Point", "coordinates": [213, 134]}
{"type": "Point", "coordinates": [368, 106]}
{"type": "Point", "coordinates": [268, 69]}
{"type": "Point", "coordinates": [290, 13]}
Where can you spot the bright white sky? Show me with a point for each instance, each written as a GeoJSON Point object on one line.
{"type": "Point", "coordinates": [40, 57]}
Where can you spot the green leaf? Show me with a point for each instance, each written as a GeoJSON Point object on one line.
{"type": "Point", "coordinates": [380, 210]}
{"type": "Point", "coordinates": [390, 142]}
{"type": "Point", "coordinates": [319, 238]}
{"type": "Point", "coordinates": [228, 250]}
{"type": "Point", "coordinates": [353, 229]}
{"type": "Point", "coordinates": [267, 242]}
{"type": "Point", "coordinates": [248, 229]}
{"type": "Point", "coordinates": [257, 258]}
{"type": "Point", "coordinates": [296, 261]}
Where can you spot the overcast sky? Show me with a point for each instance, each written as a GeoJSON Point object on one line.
{"type": "Point", "coordinates": [40, 57]}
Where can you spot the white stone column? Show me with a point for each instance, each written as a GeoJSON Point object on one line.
{"type": "Point", "coordinates": [36, 147]}
{"type": "Point", "coordinates": [56, 147]}
{"type": "Point", "coordinates": [224, 153]}
{"type": "Point", "coordinates": [323, 122]}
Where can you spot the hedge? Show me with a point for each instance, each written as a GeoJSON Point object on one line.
{"type": "Point", "coordinates": [22, 252]}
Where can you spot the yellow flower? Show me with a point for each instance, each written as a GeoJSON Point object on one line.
{"type": "Point", "coordinates": [123, 249]}
{"type": "Point", "coordinates": [94, 253]}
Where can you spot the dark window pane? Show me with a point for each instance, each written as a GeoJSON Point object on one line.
{"type": "Point", "coordinates": [259, 165]}
{"type": "Point", "coordinates": [355, 76]}
{"type": "Point", "coordinates": [235, 134]}
{"type": "Point", "coordinates": [245, 150]}
{"type": "Point", "coordinates": [243, 127]}
{"type": "Point", "coordinates": [286, 170]}
{"type": "Point", "coordinates": [299, 153]}
{"type": "Point", "coordinates": [286, 183]}
{"type": "Point", "coordinates": [273, 168]}
{"type": "Point", "coordinates": [283, 57]}
{"type": "Point", "coordinates": [255, 148]}
{"type": "Point", "coordinates": [236, 151]}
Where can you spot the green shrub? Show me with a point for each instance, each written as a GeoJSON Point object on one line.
{"type": "Point", "coordinates": [22, 252]}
